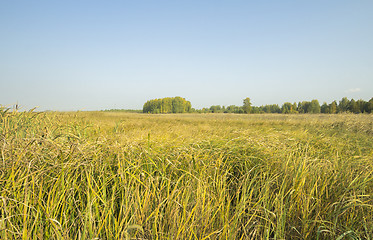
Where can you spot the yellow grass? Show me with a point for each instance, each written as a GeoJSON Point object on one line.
{"type": "Point", "coordinates": [104, 175]}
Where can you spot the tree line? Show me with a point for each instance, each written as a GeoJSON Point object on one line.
{"type": "Point", "coordinates": [344, 105]}
{"type": "Point", "coordinates": [180, 105]}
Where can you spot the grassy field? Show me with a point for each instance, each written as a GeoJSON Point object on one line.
{"type": "Point", "coordinates": [113, 175]}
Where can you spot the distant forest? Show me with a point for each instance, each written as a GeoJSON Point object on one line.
{"type": "Point", "coordinates": [180, 105]}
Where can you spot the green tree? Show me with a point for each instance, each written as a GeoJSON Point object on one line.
{"type": "Point", "coordinates": [333, 107]}
{"type": "Point", "coordinates": [304, 107]}
{"type": "Point", "coordinates": [353, 107]}
{"type": "Point", "coordinates": [300, 108]}
{"type": "Point", "coordinates": [246, 105]}
{"type": "Point", "coordinates": [369, 106]}
{"type": "Point", "coordinates": [314, 107]}
{"type": "Point", "coordinates": [343, 105]}
{"type": "Point", "coordinates": [177, 105]}
{"type": "Point", "coordinates": [286, 108]}
{"type": "Point", "coordinates": [187, 107]}
{"type": "Point", "coordinates": [294, 108]}
{"type": "Point", "coordinates": [274, 108]}
{"type": "Point", "coordinates": [167, 105]}
{"type": "Point", "coordinates": [325, 108]}
{"type": "Point", "coordinates": [233, 109]}
{"type": "Point", "coordinates": [256, 110]}
{"type": "Point", "coordinates": [215, 108]}
{"type": "Point", "coordinates": [361, 104]}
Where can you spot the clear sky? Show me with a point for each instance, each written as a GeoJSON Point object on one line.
{"type": "Point", "coordinates": [93, 55]}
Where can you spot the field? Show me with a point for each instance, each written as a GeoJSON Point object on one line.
{"type": "Point", "coordinates": [112, 175]}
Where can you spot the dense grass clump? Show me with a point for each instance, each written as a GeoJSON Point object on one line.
{"type": "Point", "coordinates": [104, 175]}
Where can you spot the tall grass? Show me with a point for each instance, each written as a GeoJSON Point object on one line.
{"type": "Point", "coordinates": [98, 175]}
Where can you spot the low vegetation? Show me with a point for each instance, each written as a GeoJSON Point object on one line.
{"type": "Point", "coordinates": [115, 175]}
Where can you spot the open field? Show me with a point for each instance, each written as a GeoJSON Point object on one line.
{"type": "Point", "coordinates": [104, 175]}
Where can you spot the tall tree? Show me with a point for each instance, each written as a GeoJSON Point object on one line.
{"type": "Point", "coordinates": [343, 105]}
{"type": "Point", "coordinates": [246, 105]}
{"type": "Point", "coordinates": [314, 106]}
{"type": "Point", "coordinates": [369, 106]}
{"type": "Point", "coordinates": [325, 108]}
{"type": "Point", "coordinates": [294, 108]}
{"type": "Point", "coordinates": [361, 105]}
{"type": "Point", "coordinates": [305, 107]}
{"type": "Point", "coordinates": [286, 108]}
{"type": "Point", "coordinates": [353, 107]}
{"type": "Point", "coordinates": [333, 107]}
{"type": "Point", "coordinates": [177, 105]}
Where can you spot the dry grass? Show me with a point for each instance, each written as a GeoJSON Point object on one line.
{"type": "Point", "coordinates": [102, 175]}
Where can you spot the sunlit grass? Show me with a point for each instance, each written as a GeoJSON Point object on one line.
{"type": "Point", "coordinates": [103, 175]}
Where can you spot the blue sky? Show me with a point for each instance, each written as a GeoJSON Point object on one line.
{"type": "Point", "coordinates": [93, 55]}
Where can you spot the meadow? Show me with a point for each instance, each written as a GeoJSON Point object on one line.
{"type": "Point", "coordinates": [114, 175]}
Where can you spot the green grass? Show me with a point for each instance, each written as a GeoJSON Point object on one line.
{"type": "Point", "coordinates": [113, 175]}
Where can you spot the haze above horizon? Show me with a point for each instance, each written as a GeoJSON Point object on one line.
{"type": "Point", "coordinates": [96, 55]}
